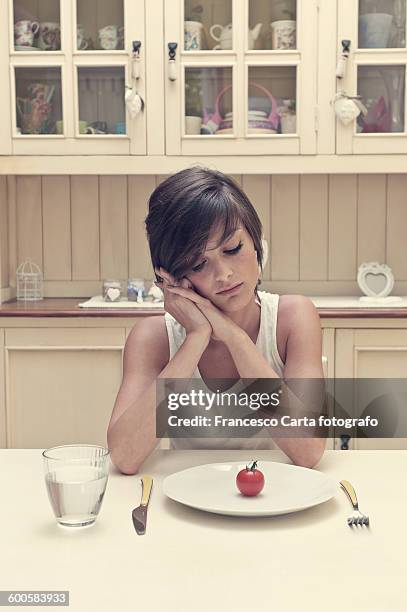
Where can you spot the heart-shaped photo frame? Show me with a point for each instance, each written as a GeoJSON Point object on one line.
{"type": "Point", "coordinates": [375, 279]}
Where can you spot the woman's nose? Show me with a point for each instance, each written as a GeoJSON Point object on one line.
{"type": "Point", "coordinates": [223, 271]}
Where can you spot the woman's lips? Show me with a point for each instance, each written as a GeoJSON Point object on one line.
{"type": "Point", "coordinates": [232, 290]}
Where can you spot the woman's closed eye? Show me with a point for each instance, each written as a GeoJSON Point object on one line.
{"type": "Point", "coordinates": [199, 267]}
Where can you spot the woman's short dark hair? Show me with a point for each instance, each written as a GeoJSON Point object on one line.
{"type": "Point", "coordinates": [186, 207]}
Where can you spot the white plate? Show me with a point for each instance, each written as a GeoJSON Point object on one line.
{"type": "Point", "coordinates": [288, 488]}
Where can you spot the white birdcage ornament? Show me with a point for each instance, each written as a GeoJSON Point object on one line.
{"type": "Point", "coordinates": [29, 282]}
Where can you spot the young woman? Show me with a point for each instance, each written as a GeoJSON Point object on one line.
{"type": "Point", "coordinates": [206, 247]}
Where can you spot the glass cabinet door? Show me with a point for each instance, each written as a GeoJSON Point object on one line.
{"type": "Point", "coordinates": [243, 79]}
{"type": "Point", "coordinates": [101, 100]}
{"type": "Point", "coordinates": [377, 75]}
{"type": "Point", "coordinates": [36, 25]}
{"type": "Point", "coordinates": [38, 95]}
{"type": "Point", "coordinates": [88, 96]}
{"type": "Point", "coordinates": [99, 25]}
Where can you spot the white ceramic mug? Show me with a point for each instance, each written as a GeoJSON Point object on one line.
{"type": "Point", "coordinates": [193, 125]}
{"type": "Point", "coordinates": [192, 35]}
{"type": "Point", "coordinates": [50, 36]}
{"type": "Point", "coordinates": [24, 32]}
{"type": "Point", "coordinates": [283, 34]}
{"type": "Point", "coordinates": [109, 37]}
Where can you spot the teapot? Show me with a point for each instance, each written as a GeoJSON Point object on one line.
{"type": "Point", "coordinates": [224, 36]}
{"type": "Point", "coordinates": [253, 35]}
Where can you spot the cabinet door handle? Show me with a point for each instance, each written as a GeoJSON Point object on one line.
{"type": "Point", "coordinates": [344, 442]}
{"type": "Point", "coordinates": [341, 66]}
{"type": "Point", "coordinates": [172, 72]}
{"type": "Point", "coordinates": [135, 65]}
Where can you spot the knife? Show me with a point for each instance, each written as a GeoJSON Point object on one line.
{"type": "Point", "coordinates": [139, 514]}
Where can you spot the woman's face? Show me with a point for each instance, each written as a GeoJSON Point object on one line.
{"type": "Point", "coordinates": [233, 263]}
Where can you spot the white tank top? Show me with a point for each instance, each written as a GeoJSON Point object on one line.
{"type": "Point", "coordinates": [266, 344]}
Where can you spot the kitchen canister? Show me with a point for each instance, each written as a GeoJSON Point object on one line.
{"type": "Point", "coordinates": [29, 282]}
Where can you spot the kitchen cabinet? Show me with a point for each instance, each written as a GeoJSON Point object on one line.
{"type": "Point", "coordinates": [61, 384]}
{"type": "Point", "coordinates": [372, 353]}
{"type": "Point", "coordinates": [70, 64]}
{"type": "Point", "coordinates": [59, 376]}
{"type": "Point", "coordinates": [222, 81]}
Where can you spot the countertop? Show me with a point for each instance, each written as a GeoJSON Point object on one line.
{"type": "Point", "coordinates": [328, 307]}
{"type": "Point", "coordinates": [192, 560]}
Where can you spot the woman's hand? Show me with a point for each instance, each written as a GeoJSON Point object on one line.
{"type": "Point", "coordinates": [182, 309]}
{"type": "Point", "coordinates": [223, 328]}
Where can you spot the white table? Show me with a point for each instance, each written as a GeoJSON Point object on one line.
{"type": "Point", "coordinates": [194, 561]}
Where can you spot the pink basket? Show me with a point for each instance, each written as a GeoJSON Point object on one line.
{"type": "Point", "coordinates": [212, 122]}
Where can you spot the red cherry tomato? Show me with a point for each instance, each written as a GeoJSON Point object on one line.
{"type": "Point", "coordinates": [250, 481]}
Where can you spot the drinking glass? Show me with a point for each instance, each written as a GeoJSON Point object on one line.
{"type": "Point", "coordinates": [76, 478]}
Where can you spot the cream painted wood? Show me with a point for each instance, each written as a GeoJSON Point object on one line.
{"type": "Point", "coordinates": [4, 246]}
{"type": "Point", "coordinates": [319, 229]}
{"type": "Point", "coordinates": [342, 228]}
{"type": "Point", "coordinates": [371, 218]}
{"type": "Point", "coordinates": [85, 227]}
{"type": "Point", "coordinates": [239, 59]}
{"type": "Point", "coordinates": [3, 421]}
{"type": "Point", "coordinates": [313, 239]}
{"type": "Point", "coordinates": [29, 219]}
{"type": "Point", "coordinates": [396, 225]}
{"type": "Point", "coordinates": [155, 65]}
{"type": "Point", "coordinates": [259, 193]}
{"type": "Point", "coordinates": [56, 215]}
{"type": "Point", "coordinates": [372, 353]}
{"type": "Point", "coordinates": [113, 227]}
{"type": "Point", "coordinates": [5, 114]}
{"type": "Point", "coordinates": [348, 141]}
{"type": "Point", "coordinates": [285, 231]}
{"type": "Point", "coordinates": [328, 351]}
{"type": "Point", "coordinates": [327, 32]}
{"type": "Point", "coordinates": [61, 385]}
{"type": "Point", "coordinates": [139, 191]}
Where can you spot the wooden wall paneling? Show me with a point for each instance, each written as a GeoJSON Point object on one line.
{"type": "Point", "coordinates": [342, 227]}
{"type": "Point", "coordinates": [371, 218]}
{"type": "Point", "coordinates": [85, 227]}
{"type": "Point", "coordinates": [113, 227]}
{"type": "Point", "coordinates": [12, 228]}
{"type": "Point", "coordinates": [314, 227]}
{"type": "Point", "coordinates": [4, 262]}
{"type": "Point", "coordinates": [139, 191]}
{"type": "Point", "coordinates": [285, 229]}
{"type": "Point", "coordinates": [397, 225]}
{"type": "Point", "coordinates": [29, 220]}
{"type": "Point", "coordinates": [56, 209]}
{"type": "Point", "coordinates": [257, 189]}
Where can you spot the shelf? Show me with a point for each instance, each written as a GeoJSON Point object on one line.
{"type": "Point", "coordinates": [267, 164]}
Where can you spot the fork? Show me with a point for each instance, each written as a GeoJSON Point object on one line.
{"type": "Point", "coordinates": [358, 518]}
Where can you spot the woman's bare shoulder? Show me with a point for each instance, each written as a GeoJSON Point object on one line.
{"type": "Point", "coordinates": [291, 307]}
{"type": "Point", "coordinates": [151, 334]}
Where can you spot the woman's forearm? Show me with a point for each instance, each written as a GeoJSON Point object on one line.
{"type": "Point", "coordinates": [133, 436]}
{"type": "Point", "coordinates": [248, 361]}
{"type": "Point", "coordinates": [251, 364]}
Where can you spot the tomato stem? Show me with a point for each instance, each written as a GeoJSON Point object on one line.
{"type": "Point", "coordinates": [253, 467]}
